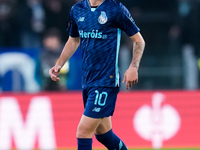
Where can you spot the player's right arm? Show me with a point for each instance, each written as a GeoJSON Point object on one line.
{"type": "Point", "coordinates": [68, 50]}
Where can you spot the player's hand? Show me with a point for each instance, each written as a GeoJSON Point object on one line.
{"type": "Point", "coordinates": [131, 77]}
{"type": "Point", "coordinates": [54, 72]}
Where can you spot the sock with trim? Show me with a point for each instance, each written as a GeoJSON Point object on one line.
{"type": "Point", "coordinates": [111, 141]}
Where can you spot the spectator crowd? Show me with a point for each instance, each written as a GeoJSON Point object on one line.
{"type": "Point", "coordinates": [24, 22]}
{"type": "Point", "coordinates": [165, 25]}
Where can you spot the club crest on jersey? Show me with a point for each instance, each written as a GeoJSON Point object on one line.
{"type": "Point", "coordinates": [103, 18]}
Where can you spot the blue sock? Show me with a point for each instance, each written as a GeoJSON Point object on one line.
{"type": "Point", "coordinates": [84, 144]}
{"type": "Point", "coordinates": [111, 141]}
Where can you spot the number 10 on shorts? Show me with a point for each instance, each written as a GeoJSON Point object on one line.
{"type": "Point", "coordinates": [100, 98]}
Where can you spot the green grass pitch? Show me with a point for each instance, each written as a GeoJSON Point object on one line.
{"type": "Point", "coordinates": [136, 149]}
{"type": "Point", "coordinates": [163, 149]}
{"type": "Point", "coordinates": [149, 149]}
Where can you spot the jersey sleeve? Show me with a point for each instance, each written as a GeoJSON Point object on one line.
{"type": "Point", "coordinates": [72, 27]}
{"type": "Point", "coordinates": [125, 21]}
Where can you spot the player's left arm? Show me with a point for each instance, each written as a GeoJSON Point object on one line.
{"type": "Point", "coordinates": [131, 75]}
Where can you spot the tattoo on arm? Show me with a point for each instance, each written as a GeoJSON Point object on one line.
{"type": "Point", "coordinates": [138, 50]}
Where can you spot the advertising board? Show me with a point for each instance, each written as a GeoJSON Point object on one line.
{"type": "Point", "coordinates": [142, 119]}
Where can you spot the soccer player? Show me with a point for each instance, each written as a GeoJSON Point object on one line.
{"type": "Point", "coordinates": [95, 27]}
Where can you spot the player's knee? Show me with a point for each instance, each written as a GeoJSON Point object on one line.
{"type": "Point", "coordinates": [83, 132]}
{"type": "Point", "coordinates": [80, 134]}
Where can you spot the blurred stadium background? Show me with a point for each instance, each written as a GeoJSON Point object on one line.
{"type": "Point", "coordinates": [38, 113]}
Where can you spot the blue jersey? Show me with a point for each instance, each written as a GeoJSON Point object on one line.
{"type": "Point", "coordinates": [99, 30]}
